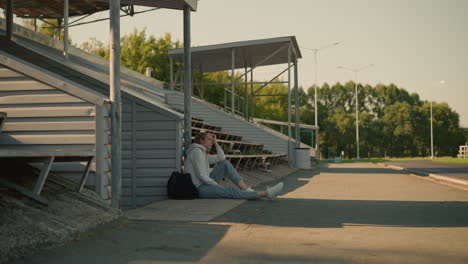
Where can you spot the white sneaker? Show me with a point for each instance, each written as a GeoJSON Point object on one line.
{"type": "Point", "coordinates": [274, 191]}
{"type": "Point", "coordinates": [250, 189]}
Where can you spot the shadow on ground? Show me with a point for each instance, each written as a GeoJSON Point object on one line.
{"type": "Point", "coordinates": [320, 213]}
{"type": "Point", "coordinates": [316, 213]}
{"type": "Point", "coordinates": [137, 242]}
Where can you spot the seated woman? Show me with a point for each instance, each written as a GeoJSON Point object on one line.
{"type": "Point", "coordinates": [197, 164]}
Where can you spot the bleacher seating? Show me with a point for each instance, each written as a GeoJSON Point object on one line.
{"type": "Point", "coordinates": [242, 155]}
{"type": "Point", "coordinates": [463, 152]}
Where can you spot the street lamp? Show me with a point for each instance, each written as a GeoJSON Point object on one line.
{"type": "Point", "coordinates": [315, 84]}
{"type": "Point", "coordinates": [356, 70]}
{"type": "Point", "coordinates": [432, 130]}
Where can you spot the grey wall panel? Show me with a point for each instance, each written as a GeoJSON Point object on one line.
{"type": "Point", "coordinates": [148, 163]}
{"type": "Point", "coordinates": [146, 182]}
{"type": "Point", "coordinates": [148, 172]}
{"type": "Point", "coordinates": [149, 135]}
{"type": "Point", "coordinates": [149, 125]}
{"type": "Point", "coordinates": [149, 144]}
{"type": "Point", "coordinates": [149, 149]}
{"type": "Point", "coordinates": [150, 153]}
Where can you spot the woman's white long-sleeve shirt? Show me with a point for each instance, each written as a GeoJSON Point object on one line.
{"type": "Point", "coordinates": [198, 161]}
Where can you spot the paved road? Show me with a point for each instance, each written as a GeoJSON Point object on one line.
{"type": "Point", "coordinates": [457, 171]}
{"type": "Point", "coordinates": [343, 213]}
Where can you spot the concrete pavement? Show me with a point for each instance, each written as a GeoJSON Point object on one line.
{"type": "Point", "coordinates": [339, 213]}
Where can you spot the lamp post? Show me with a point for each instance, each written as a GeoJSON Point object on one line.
{"type": "Point", "coordinates": [432, 137]}
{"type": "Point", "coordinates": [432, 130]}
{"type": "Point", "coordinates": [356, 70]}
{"type": "Point", "coordinates": [315, 84]}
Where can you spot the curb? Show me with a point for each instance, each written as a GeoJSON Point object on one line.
{"type": "Point", "coordinates": [432, 176]}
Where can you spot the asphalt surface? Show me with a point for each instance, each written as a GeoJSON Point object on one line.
{"type": "Point", "coordinates": [457, 171]}
{"type": "Point", "coordinates": [340, 213]}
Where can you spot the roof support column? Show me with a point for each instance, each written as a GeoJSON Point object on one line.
{"type": "Point", "coordinates": [116, 110]}
{"type": "Point", "coordinates": [246, 95]}
{"type": "Point", "coordinates": [252, 97]}
{"type": "Point", "coordinates": [171, 73]}
{"type": "Point", "coordinates": [233, 106]}
{"type": "Point", "coordinates": [187, 80]}
{"type": "Point", "coordinates": [289, 103]}
{"type": "Point", "coordinates": [296, 101]}
{"type": "Point", "coordinates": [9, 19]}
{"type": "Point", "coordinates": [65, 28]}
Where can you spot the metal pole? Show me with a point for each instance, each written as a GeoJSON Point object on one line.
{"type": "Point", "coordinates": [246, 95]}
{"type": "Point", "coordinates": [171, 72]}
{"type": "Point", "coordinates": [9, 19]}
{"type": "Point", "coordinates": [202, 92]}
{"type": "Point", "coordinates": [225, 99]}
{"type": "Point", "coordinates": [232, 80]}
{"type": "Point", "coordinates": [357, 117]}
{"type": "Point", "coordinates": [289, 103]}
{"type": "Point", "coordinates": [65, 28]}
{"type": "Point", "coordinates": [187, 79]}
{"type": "Point", "coordinates": [252, 97]}
{"type": "Point", "coordinates": [114, 74]}
{"type": "Point", "coordinates": [315, 93]}
{"type": "Point", "coordinates": [296, 101]}
{"type": "Point", "coordinates": [432, 137]}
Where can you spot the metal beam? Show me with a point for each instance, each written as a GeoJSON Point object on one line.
{"type": "Point", "coordinates": [116, 110]}
{"type": "Point", "coordinates": [9, 19]}
{"type": "Point", "coordinates": [262, 61]}
{"type": "Point", "coordinates": [233, 58]}
{"type": "Point", "coordinates": [296, 101]}
{"type": "Point", "coordinates": [187, 80]}
{"type": "Point", "coordinates": [239, 83]}
{"type": "Point", "coordinates": [65, 28]}
{"type": "Point", "coordinates": [289, 102]}
{"type": "Point", "coordinates": [271, 81]}
{"type": "Point", "coordinates": [270, 95]}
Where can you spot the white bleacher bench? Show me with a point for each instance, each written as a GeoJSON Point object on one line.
{"type": "Point", "coordinates": [463, 152]}
{"type": "Point", "coordinates": [47, 157]}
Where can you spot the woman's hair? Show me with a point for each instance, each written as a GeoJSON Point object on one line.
{"type": "Point", "coordinates": [201, 136]}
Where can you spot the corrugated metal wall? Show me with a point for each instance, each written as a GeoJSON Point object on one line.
{"type": "Point", "coordinates": [150, 152]}
{"type": "Point", "coordinates": [44, 117]}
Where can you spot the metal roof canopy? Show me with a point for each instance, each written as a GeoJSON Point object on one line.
{"type": "Point", "coordinates": [243, 55]}
{"type": "Point", "coordinates": [54, 8]}
{"type": "Point", "coordinates": [251, 54]}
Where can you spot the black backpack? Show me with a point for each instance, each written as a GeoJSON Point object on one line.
{"type": "Point", "coordinates": [180, 187]}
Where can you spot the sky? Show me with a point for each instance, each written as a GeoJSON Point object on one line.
{"type": "Point", "coordinates": [414, 44]}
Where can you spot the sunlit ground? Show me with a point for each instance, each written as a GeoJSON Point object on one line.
{"type": "Point", "coordinates": [441, 159]}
